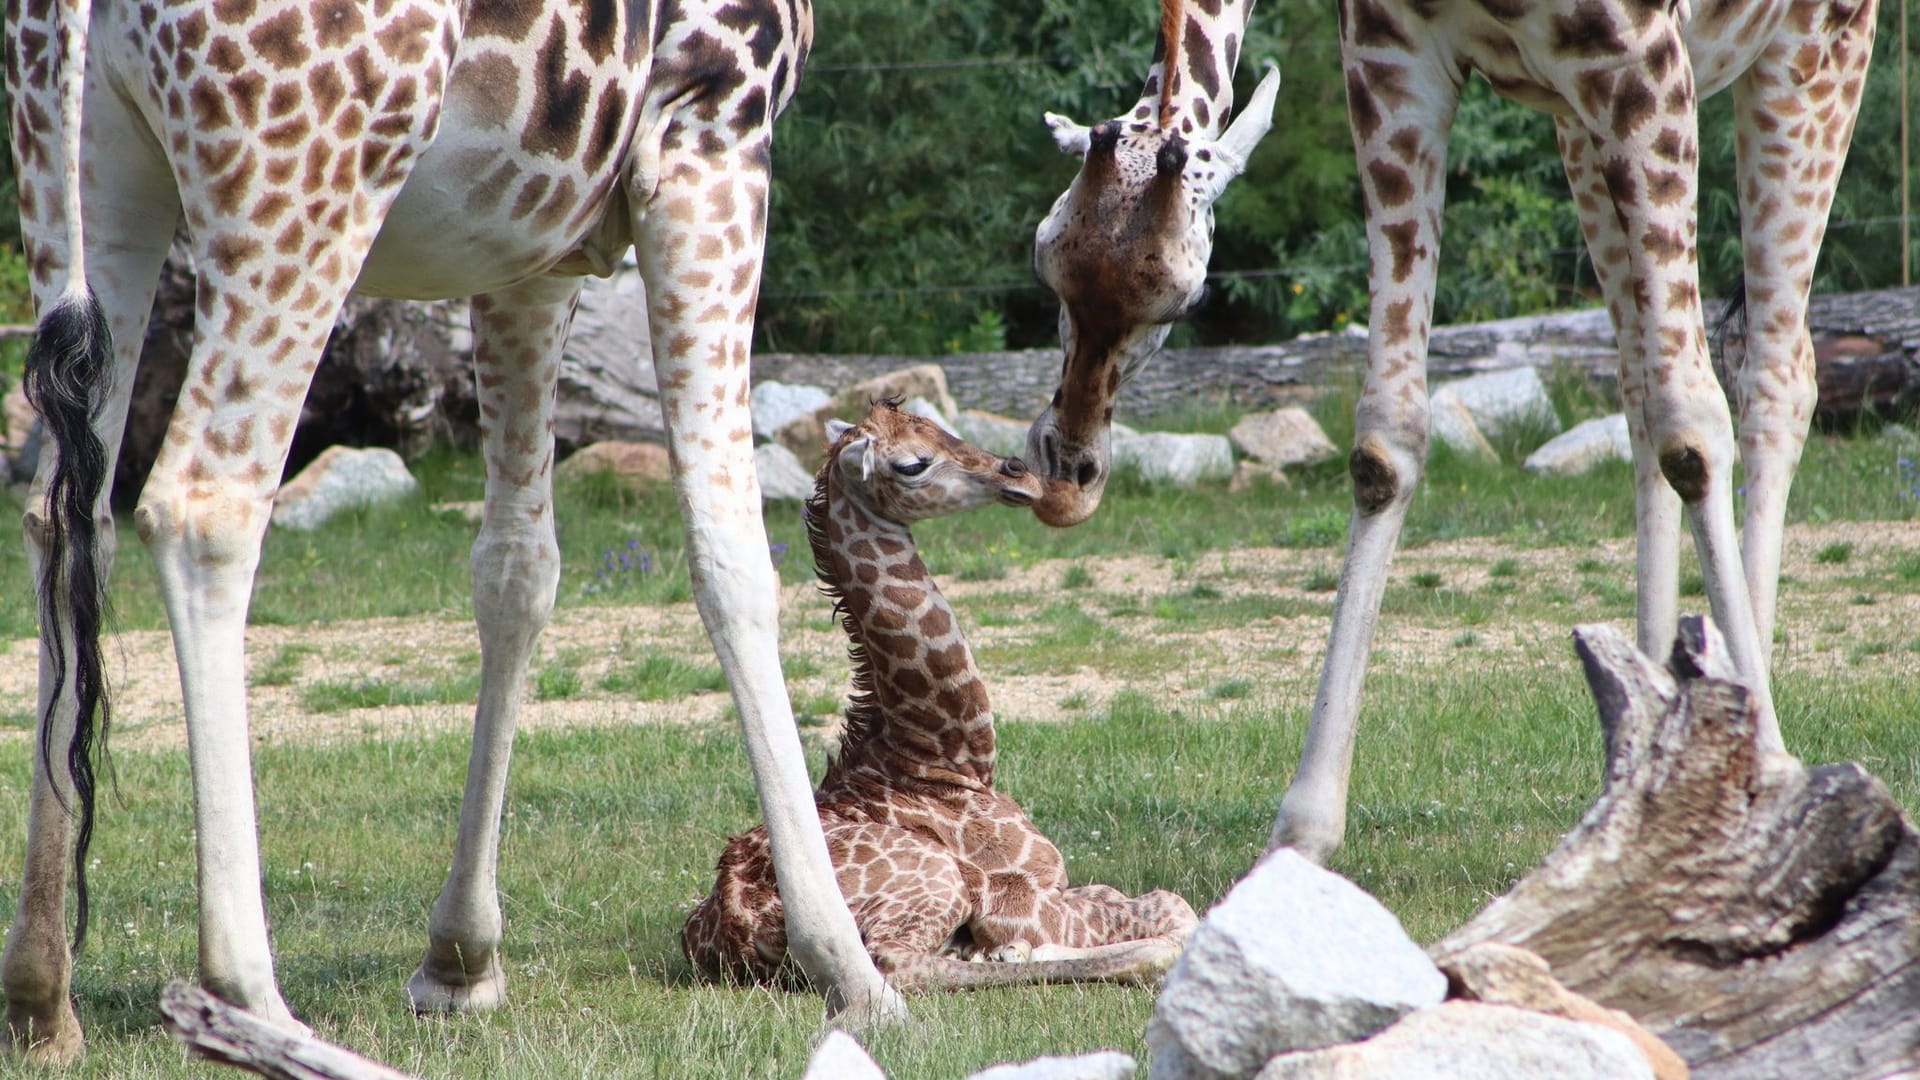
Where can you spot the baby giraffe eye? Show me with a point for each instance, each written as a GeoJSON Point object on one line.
{"type": "Point", "coordinates": [910, 468]}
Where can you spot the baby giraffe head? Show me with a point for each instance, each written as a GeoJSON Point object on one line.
{"type": "Point", "coordinates": [903, 468]}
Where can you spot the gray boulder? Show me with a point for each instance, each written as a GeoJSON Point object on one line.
{"type": "Point", "coordinates": [782, 477]}
{"type": "Point", "coordinates": [1283, 437]}
{"type": "Point", "coordinates": [1295, 957]}
{"type": "Point", "coordinates": [902, 384]}
{"type": "Point", "coordinates": [1466, 1041]}
{"type": "Point", "coordinates": [1182, 460]}
{"type": "Point", "coordinates": [777, 404]}
{"type": "Point", "coordinates": [1451, 425]}
{"type": "Point", "coordinates": [992, 432]}
{"type": "Point", "coordinates": [1502, 401]}
{"type": "Point", "coordinates": [1103, 1065]}
{"type": "Point", "coordinates": [927, 410]}
{"type": "Point", "coordinates": [341, 478]}
{"type": "Point", "coordinates": [1583, 446]}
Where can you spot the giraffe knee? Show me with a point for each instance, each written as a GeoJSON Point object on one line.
{"type": "Point", "coordinates": [1377, 481]}
{"type": "Point", "coordinates": [1685, 467]}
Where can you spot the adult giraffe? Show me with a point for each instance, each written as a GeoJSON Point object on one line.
{"type": "Point", "coordinates": [1622, 79]}
{"type": "Point", "coordinates": [410, 148]}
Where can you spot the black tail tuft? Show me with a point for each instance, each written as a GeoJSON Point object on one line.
{"type": "Point", "coordinates": [68, 376]}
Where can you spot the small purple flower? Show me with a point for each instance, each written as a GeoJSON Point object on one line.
{"type": "Point", "coordinates": [779, 553]}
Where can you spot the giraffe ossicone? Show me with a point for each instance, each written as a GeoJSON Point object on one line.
{"type": "Point", "coordinates": [951, 884]}
{"type": "Point", "coordinates": [408, 148]}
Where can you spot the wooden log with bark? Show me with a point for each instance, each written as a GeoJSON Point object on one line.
{"type": "Point", "coordinates": [1760, 916]}
{"type": "Point", "coordinates": [213, 1029]}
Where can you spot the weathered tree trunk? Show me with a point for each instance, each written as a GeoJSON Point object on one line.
{"type": "Point", "coordinates": [1761, 917]}
{"type": "Point", "coordinates": [221, 1032]}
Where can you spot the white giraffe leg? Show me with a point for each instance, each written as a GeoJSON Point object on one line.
{"type": "Point", "coordinates": [1656, 508]}
{"type": "Point", "coordinates": [1787, 175]}
{"type": "Point", "coordinates": [1400, 137]}
{"type": "Point", "coordinates": [700, 300]}
{"type": "Point", "coordinates": [131, 205]}
{"type": "Point", "coordinates": [1650, 167]}
{"type": "Point", "coordinates": [518, 334]}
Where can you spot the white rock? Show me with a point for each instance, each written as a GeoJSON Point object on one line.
{"type": "Point", "coordinates": [1183, 460]}
{"type": "Point", "coordinates": [1103, 1065]}
{"type": "Point", "coordinates": [1295, 957]}
{"type": "Point", "coordinates": [1501, 401]}
{"type": "Point", "coordinates": [925, 409]}
{"type": "Point", "coordinates": [341, 478]}
{"type": "Point", "coordinates": [992, 433]}
{"type": "Point", "coordinates": [1463, 1040]}
{"type": "Point", "coordinates": [781, 474]}
{"type": "Point", "coordinates": [1283, 437]}
{"type": "Point", "coordinates": [1451, 425]}
{"type": "Point", "coordinates": [840, 1057]}
{"type": "Point", "coordinates": [776, 404]}
{"type": "Point", "coordinates": [1583, 446]}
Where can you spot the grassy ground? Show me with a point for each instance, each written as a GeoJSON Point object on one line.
{"type": "Point", "coordinates": [1470, 765]}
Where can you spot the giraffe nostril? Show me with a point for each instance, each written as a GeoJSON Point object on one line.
{"type": "Point", "coordinates": [1086, 474]}
{"type": "Point", "coordinates": [1013, 466]}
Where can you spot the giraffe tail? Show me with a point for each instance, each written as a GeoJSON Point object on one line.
{"type": "Point", "coordinates": [68, 374]}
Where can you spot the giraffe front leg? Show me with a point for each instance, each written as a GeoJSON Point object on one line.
{"type": "Point", "coordinates": [1656, 506]}
{"type": "Point", "coordinates": [1400, 138]}
{"type": "Point", "coordinates": [699, 243]}
{"type": "Point", "coordinates": [518, 335]}
{"type": "Point", "coordinates": [1648, 157]}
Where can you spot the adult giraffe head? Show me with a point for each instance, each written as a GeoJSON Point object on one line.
{"type": "Point", "coordinates": [1125, 248]}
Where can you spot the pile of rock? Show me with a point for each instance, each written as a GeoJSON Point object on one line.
{"type": "Point", "coordinates": [1469, 415]}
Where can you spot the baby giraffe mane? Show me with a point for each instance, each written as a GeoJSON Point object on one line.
{"type": "Point", "coordinates": [863, 711]}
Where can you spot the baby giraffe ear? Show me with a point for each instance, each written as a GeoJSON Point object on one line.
{"type": "Point", "coordinates": [836, 427]}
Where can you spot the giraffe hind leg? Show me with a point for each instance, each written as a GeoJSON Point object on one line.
{"type": "Point", "coordinates": [518, 334]}
{"type": "Point", "coordinates": [134, 205]}
{"type": "Point", "coordinates": [1787, 177]}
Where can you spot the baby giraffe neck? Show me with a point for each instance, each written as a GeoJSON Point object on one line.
{"type": "Point", "coordinates": [919, 708]}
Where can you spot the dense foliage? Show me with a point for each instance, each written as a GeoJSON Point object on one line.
{"type": "Point", "coordinates": [914, 166]}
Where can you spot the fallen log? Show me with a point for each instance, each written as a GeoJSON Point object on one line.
{"type": "Point", "coordinates": [220, 1032]}
{"type": "Point", "coordinates": [1761, 917]}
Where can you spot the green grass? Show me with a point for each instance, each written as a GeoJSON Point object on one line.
{"type": "Point", "coordinates": [1465, 773]}
{"type": "Point", "coordinates": [1449, 807]}
{"type": "Point", "coordinates": [405, 559]}
{"type": "Point", "coordinates": [1835, 554]}
{"type": "Point", "coordinates": [656, 677]}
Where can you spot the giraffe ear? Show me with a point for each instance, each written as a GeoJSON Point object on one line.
{"type": "Point", "coordinates": [1070, 137]}
{"type": "Point", "coordinates": [836, 427]}
{"type": "Point", "coordinates": [859, 455]}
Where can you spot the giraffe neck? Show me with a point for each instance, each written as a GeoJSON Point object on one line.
{"type": "Point", "coordinates": [919, 708]}
{"type": "Point", "coordinates": [1196, 96]}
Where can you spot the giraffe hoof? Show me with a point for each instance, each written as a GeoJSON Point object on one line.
{"type": "Point", "coordinates": [1014, 952]}
{"type": "Point", "coordinates": [464, 992]}
{"type": "Point", "coordinates": [45, 1037]}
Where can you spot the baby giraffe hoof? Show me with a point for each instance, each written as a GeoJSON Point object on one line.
{"type": "Point", "coordinates": [1014, 952]}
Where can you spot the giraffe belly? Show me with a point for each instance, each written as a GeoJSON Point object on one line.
{"type": "Point", "coordinates": [475, 217]}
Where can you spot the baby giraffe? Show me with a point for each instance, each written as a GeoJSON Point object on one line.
{"type": "Point", "coordinates": [950, 884]}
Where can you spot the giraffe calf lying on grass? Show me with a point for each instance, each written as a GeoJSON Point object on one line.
{"type": "Point", "coordinates": [939, 869]}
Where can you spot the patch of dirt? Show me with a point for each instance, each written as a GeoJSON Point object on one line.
{"type": "Point", "coordinates": [1444, 606]}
